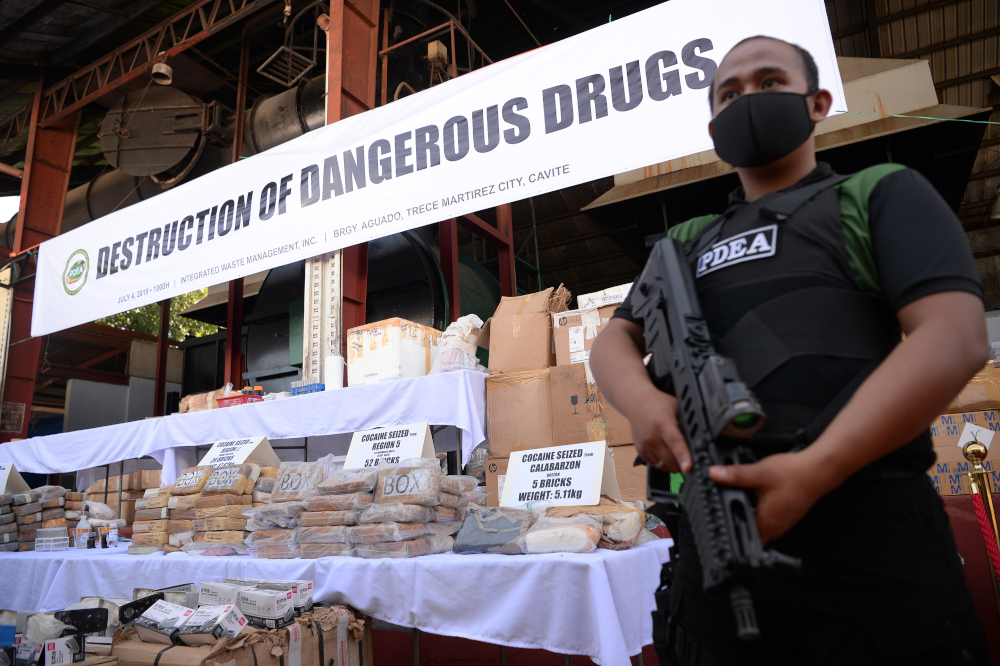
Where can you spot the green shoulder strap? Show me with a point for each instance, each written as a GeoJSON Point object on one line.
{"type": "Point", "coordinates": [685, 232]}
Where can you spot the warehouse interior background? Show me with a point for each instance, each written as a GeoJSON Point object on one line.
{"type": "Point", "coordinates": [587, 237]}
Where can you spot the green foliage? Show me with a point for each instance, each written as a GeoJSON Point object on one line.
{"type": "Point", "coordinates": [147, 318]}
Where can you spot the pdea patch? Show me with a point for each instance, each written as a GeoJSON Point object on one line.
{"type": "Point", "coordinates": [753, 244]}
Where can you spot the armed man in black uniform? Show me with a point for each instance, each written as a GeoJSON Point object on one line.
{"type": "Point", "coordinates": [807, 281]}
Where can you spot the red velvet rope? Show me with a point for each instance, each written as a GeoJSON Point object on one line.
{"type": "Point", "coordinates": [987, 530]}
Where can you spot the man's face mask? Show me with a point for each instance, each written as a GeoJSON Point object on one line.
{"type": "Point", "coordinates": [760, 128]}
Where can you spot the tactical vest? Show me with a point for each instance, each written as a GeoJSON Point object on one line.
{"type": "Point", "coordinates": [781, 299]}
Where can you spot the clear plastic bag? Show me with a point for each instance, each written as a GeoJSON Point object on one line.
{"type": "Point", "coordinates": [98, 510]}
{"type": "Point", "coordinates": [337, 502]}
{"type": "Point", "coordinates": [181, 539]}
{"type": "Point", "coordinates": [578, 534]}
{"type": "Point", "coordinates": [231, 480]}
{"type": "Point", "coordinates": [493, 530]}
{"type": "Point", "coordinates": [274, 515]}
{"type": "Point", "coordinates": [457, 346]}
{"type": "Point", "coordinates": [382, 532]}
{"type": "Point", "coordinates": [274, 537]}
{"type": "Point", "coordinates": [456, 485]}
{"type": "Point", "coordinates": [328, 518]}
{"type": "Point", "coordinates": [409, 485]}
{"type": "Point", "coordinates": [297, 481]}
{"type": "Point", "coordinates": [425, 545]}
{"type": "Point", "coordinates": [396, 512]}
{"type": "Point", "coordinates": [476, 496]}
{"type": "Point", "coordinates": [191, 480]}
{"type": "Point", "coordinates": [314, 551]}
{"type": "Point", "coordinates": [288, 551]}
{"type": "Point", "coordinates": [46, 493]}
{"type": "Point", "coordinates": [444, 514]}
{"type": "Point", "coordinates": [264, 485]}
{"type": "Point", "coordinates": [215, 549]}
{"type": "Point", "coordinates": [321, 535]}
{"type": "Point", "coordinates": [346, 481]}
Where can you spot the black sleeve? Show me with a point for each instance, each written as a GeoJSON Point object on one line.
{"type": "Point", "coordinates": [624, 311]}
{"type": "Point", "coordinates": [919, 244]}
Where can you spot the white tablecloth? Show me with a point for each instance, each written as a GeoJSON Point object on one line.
{"type": "Point", "coordinates": [454, 399]}
{"type": "Point", "coordinates": [596, 604]}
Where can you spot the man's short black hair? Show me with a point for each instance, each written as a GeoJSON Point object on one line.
{"type": "Point", "coordinates": [808, 66]}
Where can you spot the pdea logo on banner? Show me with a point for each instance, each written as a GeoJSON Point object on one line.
{"type": "Point", "coordinates": [75, 274]}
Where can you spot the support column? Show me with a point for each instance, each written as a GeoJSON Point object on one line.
{"type": "Point", "coordinates": [337, 282]}
{"type": "Point", "coordinates": [448, 234]}
{"type": "Point", "coordinates": [48, 162]}
{"type": "Point", "coordinates": [508, 276]}
{"type": "Point", "coordinates": [234, 334]}
{"type": "Point", "coordinates": [162, 349]}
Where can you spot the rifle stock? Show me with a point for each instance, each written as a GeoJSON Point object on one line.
{"type": "Point", "coordinates": [716, 413]}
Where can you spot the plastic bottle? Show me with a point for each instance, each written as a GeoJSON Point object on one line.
{"type": "Point", "coordinates": [82, 532]}
{"type": "Point", "coordinates": [112, 537]}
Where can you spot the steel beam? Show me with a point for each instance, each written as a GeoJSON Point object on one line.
{"type": "Point", "coordinates": [162, 349]}
{"type": "Point", "coordinates": [234, 334]}
{"type": "Point", "coordinates": [181, 31]}
{"type": "Point", "coordinates": [508, 274]}
{"type": "Point", "coordinates": [448, 233]}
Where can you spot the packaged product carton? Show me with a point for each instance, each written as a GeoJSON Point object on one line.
{"type": "Point", "coordinates": [302, 592]}
{"type": "Point", "coordinates": [267, 609]}
{"type": "Point", "coordinates": [161, 621]}
{"type": "Point", "coordinates": [210, 623]}
{"type": "Point", "coordinates": [574, 332]}
{"type": "Point", "coordinates": [609, 296]}
{"type": "Point", "coordinates": [519, 335]}
{"type": "Point", "coordinates": [518, 411]}
{"type": "Point", "coordinates": [390, 349]}
{"type": "Point", "coordinates": [580, 412]}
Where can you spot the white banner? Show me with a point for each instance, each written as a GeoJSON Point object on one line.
{"type": "Point", "coordinates": [622, 96]}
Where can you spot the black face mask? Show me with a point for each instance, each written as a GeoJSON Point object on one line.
{"type": "Point", "coordinates": [760, 128]}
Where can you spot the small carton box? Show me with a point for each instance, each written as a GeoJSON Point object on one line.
{"type": "Point", "coordinates": [302, 592]}
{"type": "Point", "coordinates": [580, 412]}
{"type": "Point", "coordinates": [161, 621]}
{"type": "Point", "coordinates": [609, 296]}
{"type": "Point", "coordinates": [214, 593]}
{"type": "Point", "coordinates": [519, 335]}
{"type": "Point", "coordinates": [267, 609]}
{"type": "Point", "coordinates": [390, 349]}
{"type": "Point", "coordinates": [518, 411]}
{"type": "Point", "coordinates": [496, 474]}
{"type": "Point", "coordinates": [946, 429]}
{"type": "Point", "coordinates": [210, 623]}
{"type": "Point", "coordinates": [574, 332]}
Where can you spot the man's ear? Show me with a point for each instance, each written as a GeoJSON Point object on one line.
{"type": "Point", "coordinates": [822, 101]}
{"type": "Point", "coordinates": [710, 130]}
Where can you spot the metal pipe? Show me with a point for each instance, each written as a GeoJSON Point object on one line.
{"type": "Point", "coordinates": [11, 171]}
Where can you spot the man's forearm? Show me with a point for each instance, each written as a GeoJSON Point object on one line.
{"type": "Point", "coordinates": [898, 400]}
{"type": "Point", "coordinates": [617, 365]}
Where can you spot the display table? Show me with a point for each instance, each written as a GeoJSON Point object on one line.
{"type": "Point", "coordinates": [596, 604]}
{"type": "Point", "coordinates": [452, 399]}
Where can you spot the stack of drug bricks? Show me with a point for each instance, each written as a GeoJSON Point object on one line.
{"type": "Point", "coordinates": [34, 509]}
{"type": "Point", "coordinates": [8, 525]}
{"type": "Point", "coordinates": [400, 511]}
{"type": "Point", "coordinates": [73, 504]}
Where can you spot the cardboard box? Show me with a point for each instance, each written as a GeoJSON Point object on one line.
{"type": "Point", "coordinates": [146, 478]}
{"type": "Point", "coordinates": [632, 480]}
{"type": "Point", "coordinates": [981, 393]}
{"type": "Point", "coordinates": [947, 428]}
{"type": "Point", "coordinates": [390, 349]}
{"type": "Point", "coordinates": [302, 592]}
{"type": "Point", "coordinates": [519, 335]}
{"type": "Point", "coordinates": [496, 474]}
{"type": "Point", "coordinates": [252, 647]}
{"type": "Point", "coordinates": [609, 296]}
{"type": "Point", "coordinates": [160, 622]}
{"type": "Point", "coordinates": [580, 413]}
{"type": "Point", "coordinates": [518, 412]}
{"type": "Point", "coordinates": [574, 331]}
{"type": "Point", "coordinates": [267, 609]}
{"type": "Point", "coordinates": [210, 623]}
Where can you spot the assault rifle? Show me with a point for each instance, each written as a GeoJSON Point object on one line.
{"type": "Point", "coordinates": [716, 411]}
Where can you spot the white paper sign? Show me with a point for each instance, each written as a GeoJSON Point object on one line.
{"type": "Point", "coordinates": [11, 480]}
{"type": "Point", "coordinates": [971, 432]}
{"type": "Point", "coordinates": [389, 445]}
{"type": "Point", "coordinates": [622, 96]}
{"type": "Point", "coordinates": [571, 475]}
{"type": "Point", "coordinates": [255, 450]}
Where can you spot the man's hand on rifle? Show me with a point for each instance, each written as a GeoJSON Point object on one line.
{"type": "Point", "coordinates": [658, 440]}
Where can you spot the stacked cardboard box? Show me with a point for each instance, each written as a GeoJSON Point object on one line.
{"type": "Point", "coordinates": [132, 487]}
{"type": "Point", "coordinates": [950, 471]}
{"type": "Point", "coordinates": [540, 391]}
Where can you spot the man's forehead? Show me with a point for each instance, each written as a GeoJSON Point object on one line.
{"type": "Point", "coordinates": [757, 54]}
